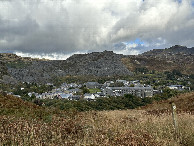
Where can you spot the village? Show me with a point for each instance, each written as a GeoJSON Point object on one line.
{"type": "Point", "coordinates": [93, 90]}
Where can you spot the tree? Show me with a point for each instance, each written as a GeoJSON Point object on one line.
{"type": "Point", "coordinates": [85, 90]}
{"type": "Point", "coordinates": [141, 70]}
{"type": "Point", "coordinates": [33, 97]}
{"type": "Point", "coordinates": [192, 76]}
{"type": "Point", "coordinates": [176, 72]}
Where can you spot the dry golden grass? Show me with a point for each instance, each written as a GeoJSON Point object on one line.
{"type": "Point", "coordinates": [129, 127]}
{"type": "Point", "coordinates": [184, 103]}
{"type": "Point", "coordinates": [117, 128]}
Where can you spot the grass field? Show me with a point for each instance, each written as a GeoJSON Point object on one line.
{"type": "Point", "coordinates": [119, 127]}
{"type": "Point", "coordinates": [94, 90]}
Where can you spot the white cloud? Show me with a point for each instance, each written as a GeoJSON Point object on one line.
{"type": "Point", "coordinates": [66, 26]}
{"type": "Point", "coordinates": [50, 56]}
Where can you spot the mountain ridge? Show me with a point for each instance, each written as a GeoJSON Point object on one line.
{"type": "Point", "coordinates": [106, 63]}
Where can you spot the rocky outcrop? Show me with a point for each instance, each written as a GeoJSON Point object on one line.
{"type": "Point", "coordinates": [99, 64]}
{"type": "Point", "coordinates": [176, 57]}
{"type": "Point", "coordinates": [104, 63]}
{"type": "Point", "coordinates": [174, 50]}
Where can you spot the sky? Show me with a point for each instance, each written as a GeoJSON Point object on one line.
{"type": "Point", "coordinates": [56, 29]}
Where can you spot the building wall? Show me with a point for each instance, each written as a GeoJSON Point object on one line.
{"type": "Point", "coordinates": [119, 91]}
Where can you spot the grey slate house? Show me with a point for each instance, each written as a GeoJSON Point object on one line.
{"type": "Point", "coordinates": [136, 91]}
{"type": "Point", "coordinates": [91, 85]}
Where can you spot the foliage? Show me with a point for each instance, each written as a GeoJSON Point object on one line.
{"type": "Point", "coordinates": [28, 87]}
{"type": "Point", "coordinates": [176, 72]}
{"type": "Point", "coordinates": [192, 76]}
{"type": "Point", "coordinates": [166, 94]}
{"type": "Point", "coordinates": [173, 75]}
{"type": "Point", "coordinates": [123, 127]}
{"type": "Point", "coordinates": [23, 123]}
{"type": "Point", "coordinates": [11, 105]}
{"type": "Point", "coordinates": [85, 90]}
{"type": "Point", "coordinates": [111, 103]}
{"type": "Point", "coordinates": [141, 70]}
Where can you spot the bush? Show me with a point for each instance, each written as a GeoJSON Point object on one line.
{"type": "Point", "coordinates": [112, 103]}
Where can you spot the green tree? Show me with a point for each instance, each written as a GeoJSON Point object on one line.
{"type": "Point", "coordinates": [176, 72]}
{"type": "Point", "coordinates": [85, 90]}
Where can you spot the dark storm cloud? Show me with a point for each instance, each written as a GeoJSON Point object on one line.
{"type": "Point", "coordinates": [48, 28]}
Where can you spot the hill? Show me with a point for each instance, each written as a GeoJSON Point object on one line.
{"type": "Point", "coordinates": [3, 69]}
{"type": "Point", "coordinates": [184, 103]}
{"type": "Point", "coordinates": [177, 49]}
{"type": "Point", "coordinates": [176, 57]}
{"type": "Point", "coordinates": [22, 123]}
{"type": "Point", "coordinates": [99, 64]}
{"type": "Point", "coordinates": [15, 107]}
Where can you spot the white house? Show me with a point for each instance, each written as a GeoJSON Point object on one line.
{"type": "Point", "coordinates": [89, 96]}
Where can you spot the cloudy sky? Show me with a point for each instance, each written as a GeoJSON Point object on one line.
{"type": "Point", "coordinates": [56, 29]}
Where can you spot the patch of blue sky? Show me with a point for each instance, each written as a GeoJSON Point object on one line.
{"type": "Point", "coordinates": [179, 1]}
{"type": "Point", "coordinates": [136, 41]}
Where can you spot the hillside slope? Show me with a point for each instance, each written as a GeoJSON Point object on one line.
{"type": "Point", "coordinates": [22, 123]}
{"type": "Point", "coordinates": [100, 64]}
{"type": "Point", "coordinates": [3, 69]}
{"type": "Point", "coordinates": [15, 107]}
{"type": "Point", "coordinates": [184, 103]}
{"type": "Point", "coordinates": [176, 57]}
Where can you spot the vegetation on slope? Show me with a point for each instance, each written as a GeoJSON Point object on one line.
{"type": "Point", "coordinates": [184, 102]}
{"type": "Point", "coordinates": [126, 127]}
{"type": "Point", "coordinates": [13, 106]}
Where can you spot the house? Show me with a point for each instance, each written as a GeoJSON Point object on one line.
{"type": "Point", "coordinates": [108, 83]}
{"type": "Point", "coordinates": [76, 90]}
{"type": "Point", "coordinates": [89, 96]}
{"type": "Point", "coordinates": [136, 91]}
{"type": "Point", "coordinates": [126, 83]}
{"type": "Point", "coordinates": [72, 85]}
{"type": "Point", "coordinates": [96, 95]}
{"type": "Point", "coordinates": [64, 96]}
{"type": "Point", "coordinates": [47, 96]}
{"type": "Point", "coordinates": [135, 83]}
{"type": "Point", "coordinates": [75, 97]}
{"type": "Point", "coordinates": [49, 84]}
{"type": "Point", "coordinates": [91, 85]}
{"type": "Point", "coordinates": [17, 96]}
{"type": "Point", "coordinates": [178, 87]}
{"type": "Point", "coordinates": [155, 92]}
{"type": "Point", "coordinates": [36, 94]}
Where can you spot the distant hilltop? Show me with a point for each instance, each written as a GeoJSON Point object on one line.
{"type": "Point", "coordinates": [177, 49]}
{"type": "Point", "coordinates": [13, 57]}
{"type": "Point", "coordinates": [100, 64]}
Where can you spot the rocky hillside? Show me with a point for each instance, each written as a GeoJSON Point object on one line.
{"type": "Point", "coordinates": [176, 57]}
{"type": "Point", "coordinates": [3, 69]}
{"type": "Point", "coordinates": [100, 64]}
{"type": "Point", "coordinates": [174, 50]}
{"type": "Point", "coordinates": [104, 63]}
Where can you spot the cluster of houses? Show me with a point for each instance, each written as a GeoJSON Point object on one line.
{"type": "Point", "coordinates": [178, 87]}
{"type": "Point", "coordinates": [74, 91]}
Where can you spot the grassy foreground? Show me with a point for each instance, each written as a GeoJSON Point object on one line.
{"type": "Point", "coordinates": [126, 127]}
